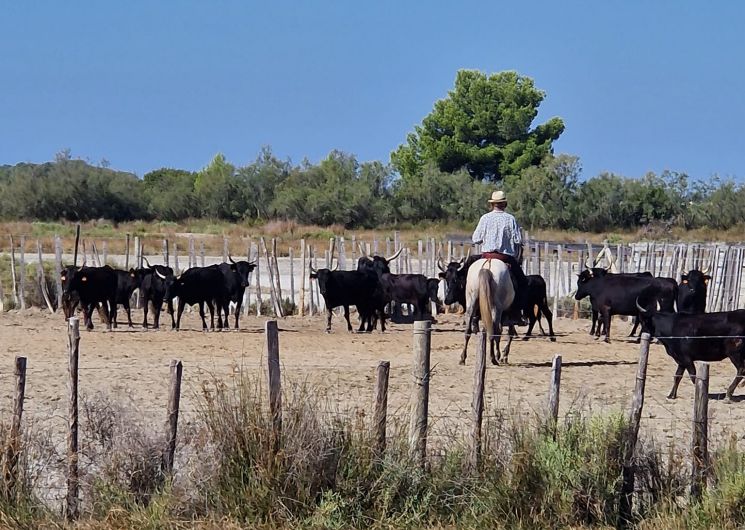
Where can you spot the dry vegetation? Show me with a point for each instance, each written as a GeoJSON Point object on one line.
{"type": "Point", "coordinates": [288, 233]}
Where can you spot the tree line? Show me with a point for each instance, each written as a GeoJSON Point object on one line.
{"type": "Point", "coordinates": [341, 190]}
{"type": "Point", "coordinates": [478, 138]}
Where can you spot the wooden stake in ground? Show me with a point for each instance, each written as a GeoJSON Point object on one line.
{"type": "Point", "coordinates": [553, 393]}
{"type": "Point", "coordinates": [16, 302]}
{"type": "Point", "coordinates": [380, 399]}
{"type": "Point", "coordinates": [42, 279]}
{"type": "Point", "coordinates": [304, 271]}
{"type": "Point", "coordinates": [477, 404]}
{"type": "Point", "coordinates": [22, 272]}
{"type": "Point", "coordinates": [420, 394]}
{"type": "Point", "coordinates": [13, 444]}
{"type": "Point", "coordinates": [174, 397]}
{"type": "Point", "coordinates": [71, 507]}
{"type": "Point", "coordinates": [58, 269]}
{"type": "Point", "coordinates": [77, 241]}
{"type": "Point", "coordinates": [635, 414]}
{"type": "Point", "coordinates": [700, 442]}
{"type": "Point", "coordinates": [275, 382]}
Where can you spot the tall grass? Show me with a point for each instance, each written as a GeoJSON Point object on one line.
{"type": "Point", "coordinates": [326, 473]}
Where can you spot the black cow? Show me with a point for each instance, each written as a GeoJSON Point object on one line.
{"type": "Point", "coordinates": [91, 286]}
{"type": "Point", "coordinates": [198, 285]}
{"type": "Point", "coordinates": [346, 288]}
{"type": "Point", "coordinates": [433, 289]}
{"type": "Point", "coordinates": [616, 294]}
{"type": "Point", "coordinates": [677, 332]}
{"type": "Point", "coordinates": [236, 275]}
{"type": "Point", "coordinates": [692, 292]}
{"type": "Point", "coordinates": [664, 283]}
{"type": "Point", "coordinates": [126, 283]}
{"type": "Point", "coordinates": [399, 288]}
{"type": "Point", "coordinates": [153, 288]}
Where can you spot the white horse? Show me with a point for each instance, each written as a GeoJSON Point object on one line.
{"type": "Point", "coordinates": [489, 285]}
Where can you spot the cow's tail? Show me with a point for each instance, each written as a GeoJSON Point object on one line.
{"type": "Point", "coordinates": [485, 277]}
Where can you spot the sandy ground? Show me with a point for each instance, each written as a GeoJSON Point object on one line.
{"type": "Point", "coordinates": [133, 365]}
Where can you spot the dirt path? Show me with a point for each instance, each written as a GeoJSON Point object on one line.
{"type": "Point", "coordinates": [133, 365]}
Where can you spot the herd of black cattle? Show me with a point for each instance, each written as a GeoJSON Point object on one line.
{"type": "Point", "coordinates": [673, 313]}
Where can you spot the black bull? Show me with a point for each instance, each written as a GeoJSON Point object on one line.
{"type": "Point", "coordinates": [351, 288]}
{"type": "Point", "coordinates": [616, 294]}
{"type": "Point", "coordinates": [91, 286]}
{"type": "Point", "coordinates": [414, 289]}
{"type": "Point", "coordinates": [721, 338]}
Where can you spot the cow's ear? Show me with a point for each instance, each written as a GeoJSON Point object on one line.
{"type": "Point", "coordinates": [442, 275]}
{"type": "Point", "coordinates": [683, 278]}
{"type": "Point", "coordinates": [313, 276]}
{"type": "Point", "coordinates": [589, 273]}
{"type": "Point", "coordinates": [706, 279]}
{"type": "Point", "coordinates": [84, 279]}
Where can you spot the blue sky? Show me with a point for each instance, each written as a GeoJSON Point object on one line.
{"type": "Point", "coordinates": [641, 86]}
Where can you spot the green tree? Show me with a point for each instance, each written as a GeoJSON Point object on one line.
{"type": "Point", "coordinates": [170, 194]}
{"type": "Point", "coordinates": [218, 191]}
{"type": "Point", "coordinates": [543, 196]}
{"type": "Point", "coordinates": [258, 182]}
{"type": "Point", "coordinates": [482, 126]}
{"type": "Point", "coordinates": [339, 190]}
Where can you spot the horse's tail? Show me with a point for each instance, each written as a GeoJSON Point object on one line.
{"type": "Point", "coordinates": [485, 302]}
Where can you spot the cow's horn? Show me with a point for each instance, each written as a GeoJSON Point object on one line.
{"type": "Point", "coordinates": [336, 267]}
{"type": "Point", "coordinates": [159, 274]}
{"type": "Point", "coordinates": [232, 260]}
{"type": "Point", "coordinates": [146, 261]}
{"type": "Point", "coordinates": [640, 308]}
{"type": "Point", "coordinates": [310, 266]}
{"type": "Point", "coordinates": [439, 264]}
{"type": "Point", "coordinates": [395, 255]}
{"type": "Point", "coordinates": [362, 250]}
{"type": "Point", "coordinates": [586, 263]}
{"type": "Point", "coordinates": [706, 270]}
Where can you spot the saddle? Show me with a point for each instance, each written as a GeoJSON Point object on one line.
{"type": "Point", "coordinates": [504, 258]}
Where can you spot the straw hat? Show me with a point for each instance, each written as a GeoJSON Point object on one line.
{"type": "Point", "coordinates": [498, 197]}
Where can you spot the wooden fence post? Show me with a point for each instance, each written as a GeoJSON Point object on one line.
{"type": "Point", "coordinates": [41, 277]}
{"type": "Point", "coordinates": [553, 394]}
{"type": "Point", "coordinates": [275, 264]}
{"type": "Point", "coordinates": [192, 253]}
{"type": "Point", "coordinates": [635, 415]}
{"type": "Point", "coordinates": [13, 445]}
{"type": "Point", "coordinates": [166, 257]}
{"type": "Point", "coordinates": [257, 271]}
{"type": "Point", "coordinates": [174, 397]}
{"type": "Point", "coordinates": [477, 405]}
{"type": "Point", "coordinates": [73, 334]}
{"type": "Point", "coordinates": [380, 416]}
{"type": "Point", "coordinates": [699, 445]}
{"type": "Point", "coordinates": [126, 253]}
{"type": "Point", "coordinates": [420, 394]}
{"type": "Point", "coordinates": [292, 276]}
{"type": "Point", "coordinates": [225, 250]}
{"type": "Point", "coordinates": [302, 277]}
{"type": "Point", "coordinates": [201, 253]}
{"type": "Point", "coordinates": [13, 279]}
{"type": "Point", "coordinates": [77, 242]}
{"type": "Point", "coordinates": [275, 381]}
{"type": "Point", "coordinates": [22, 272]}
{"type": "Point", "coordinates": [176, 267]}
{"type": "Point", "coordinates": [138, 251]}
{"type": "Point", "coordinates": [58, 269]}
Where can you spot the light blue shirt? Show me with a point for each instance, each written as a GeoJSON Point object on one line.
{"type": "Point", "coordinates": [498, 230]}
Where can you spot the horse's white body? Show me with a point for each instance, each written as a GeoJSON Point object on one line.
{"type": "Point", "coordinates": [489, 285]}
